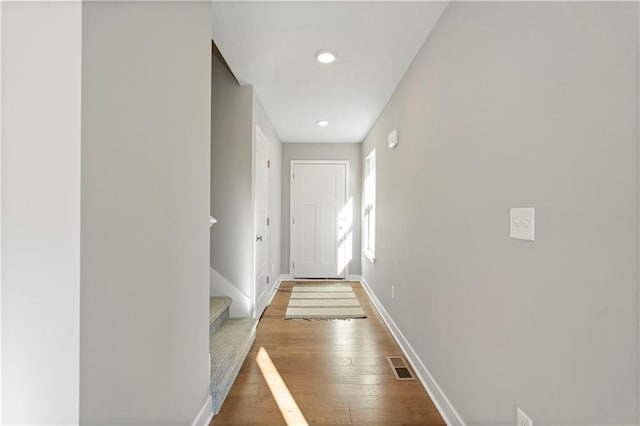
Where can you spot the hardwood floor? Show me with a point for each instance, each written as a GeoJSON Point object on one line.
{"type": "Point", "coordinates": [322, 373]}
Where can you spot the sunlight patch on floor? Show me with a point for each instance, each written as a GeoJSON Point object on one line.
{"type": "Point", "coordinates": [287, 405]}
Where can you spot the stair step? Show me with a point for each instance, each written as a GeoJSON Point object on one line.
{"type": "Point", "coordinates": [218, 312]}
{"type": "Point", "coordinates": [228, 348]}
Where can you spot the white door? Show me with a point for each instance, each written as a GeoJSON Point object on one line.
{"type": "Point", "coordinates": [318, 199]}
{"type": "Point", "coordinates": [261, 185]}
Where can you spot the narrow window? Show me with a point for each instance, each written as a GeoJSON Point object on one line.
{"type": "Point", "coordinates": [369, 219]}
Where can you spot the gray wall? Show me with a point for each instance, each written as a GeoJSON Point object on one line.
{"type": "Point", "coordinates": [512, 105]}
{"type": "Point", "coordinates": [41, 47]}
{"type": "Point", "coordinates": [236, 110]}
{"type": "Point", "coordinates": [316, 151]}
{"type": "Point", "coordinates": [231, 174]}
{"type": "Point", "coordinates": [145, 202]}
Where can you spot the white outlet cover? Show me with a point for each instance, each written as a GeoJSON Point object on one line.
{"type": "Point", "coordinates": [522, 419]}
{"type": "Point", "coordinates": [522, 223]}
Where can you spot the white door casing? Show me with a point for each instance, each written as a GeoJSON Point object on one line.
{"type": "Point", "coordinates": [319, 222]}
{"type": "Point", "coordinates": [0, 217]}
{"type": "Point", "coordinates": [261, 244]}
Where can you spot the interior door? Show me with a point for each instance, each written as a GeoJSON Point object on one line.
{"type": "Point", "coordinates": [318, 204]}
{"type": "Point", "coordinates": [261, 185]}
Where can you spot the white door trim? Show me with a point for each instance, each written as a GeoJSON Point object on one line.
{"type": "Point", "coordinates": [292, 165]}
{"type": "Point", "coordinates": [638, 236]}
{"type": "Point", "coordinates": [0, 217]}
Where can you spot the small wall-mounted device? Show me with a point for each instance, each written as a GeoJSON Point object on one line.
{"type": "Point", "coordinates": [392, 139]}
{"type": "Point", "coordinates": [523, 223]}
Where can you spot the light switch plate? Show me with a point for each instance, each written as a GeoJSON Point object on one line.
{"type": "Point", "coordinates": [523, 223]}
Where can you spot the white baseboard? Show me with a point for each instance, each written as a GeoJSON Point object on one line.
{"type": "Point", "coordinates": [318, 280]}
{"type": "Point", "coordinates": [289, 277]}
{"type": "Point", "coordinates": [205, 414]}
{"type": "Point", "coordinates": [274, 289]}
{"type": "Point", "coordinates": [442, 403]}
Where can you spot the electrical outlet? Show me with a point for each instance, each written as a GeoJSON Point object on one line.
{"type": "Point", "coordinates": [522, 419]}
{"type": "Point", "coordinates": [393, 291]}
{"type": "Point", "coordinates": [523, 224]}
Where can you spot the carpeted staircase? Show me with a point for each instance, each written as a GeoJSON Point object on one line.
{"type": "Point", "coordinates": [229, 342]}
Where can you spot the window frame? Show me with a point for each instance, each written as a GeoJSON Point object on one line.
{"type": "Point", "coordinates": [369, 207]}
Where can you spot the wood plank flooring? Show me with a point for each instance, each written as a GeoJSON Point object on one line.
{"type": "Point", "coordinates": [323, 373]}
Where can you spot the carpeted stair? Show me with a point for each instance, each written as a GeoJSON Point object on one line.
{"type": "Point", "coordinates": [229, 342]}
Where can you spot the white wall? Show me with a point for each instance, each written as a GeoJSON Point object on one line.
{"type": "Point", "coordinates": [231, 155]}
{"type": "Point", "coordinates": [41, 46]}
{"type": "Point", "coordinates": [145, 205]}
{"type": "Point", "coordinates": [236, 110]}
{"type": "Point", "coordinates": [319, 151]}
{"type": "Point", "coordinates": [515, 105]}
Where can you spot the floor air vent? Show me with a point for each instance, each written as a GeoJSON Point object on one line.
{"type": "Point", "coordinates": [400, 368]}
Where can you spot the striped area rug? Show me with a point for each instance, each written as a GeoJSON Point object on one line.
{"type": "Point", "coordinates": [323, 303]}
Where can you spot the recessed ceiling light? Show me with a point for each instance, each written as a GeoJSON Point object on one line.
{"type": "Point", "coordinates": [325, 56]}
{"type": "Point", "coordinates": [323, 123]}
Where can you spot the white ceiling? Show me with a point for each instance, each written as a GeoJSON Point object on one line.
{"type": "Point", "coordinates": [271, 46]}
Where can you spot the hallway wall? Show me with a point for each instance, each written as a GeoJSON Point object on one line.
{"type": "Point", "coordinates": [231, 176]}
{"type": "Point", "coordinates": [512, 104]}
{"type": "Point", "coordinates": [319, 151]}
{"type": "Point", "coordinates": [41, 86]}
{"type": "Point", "coordinates": [236, 110]}
{"type": "Point", "coordinates": [146, 72]}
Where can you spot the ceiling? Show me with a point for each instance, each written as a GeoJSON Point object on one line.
{"type": "Point", "coordinates": [271, 46]}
